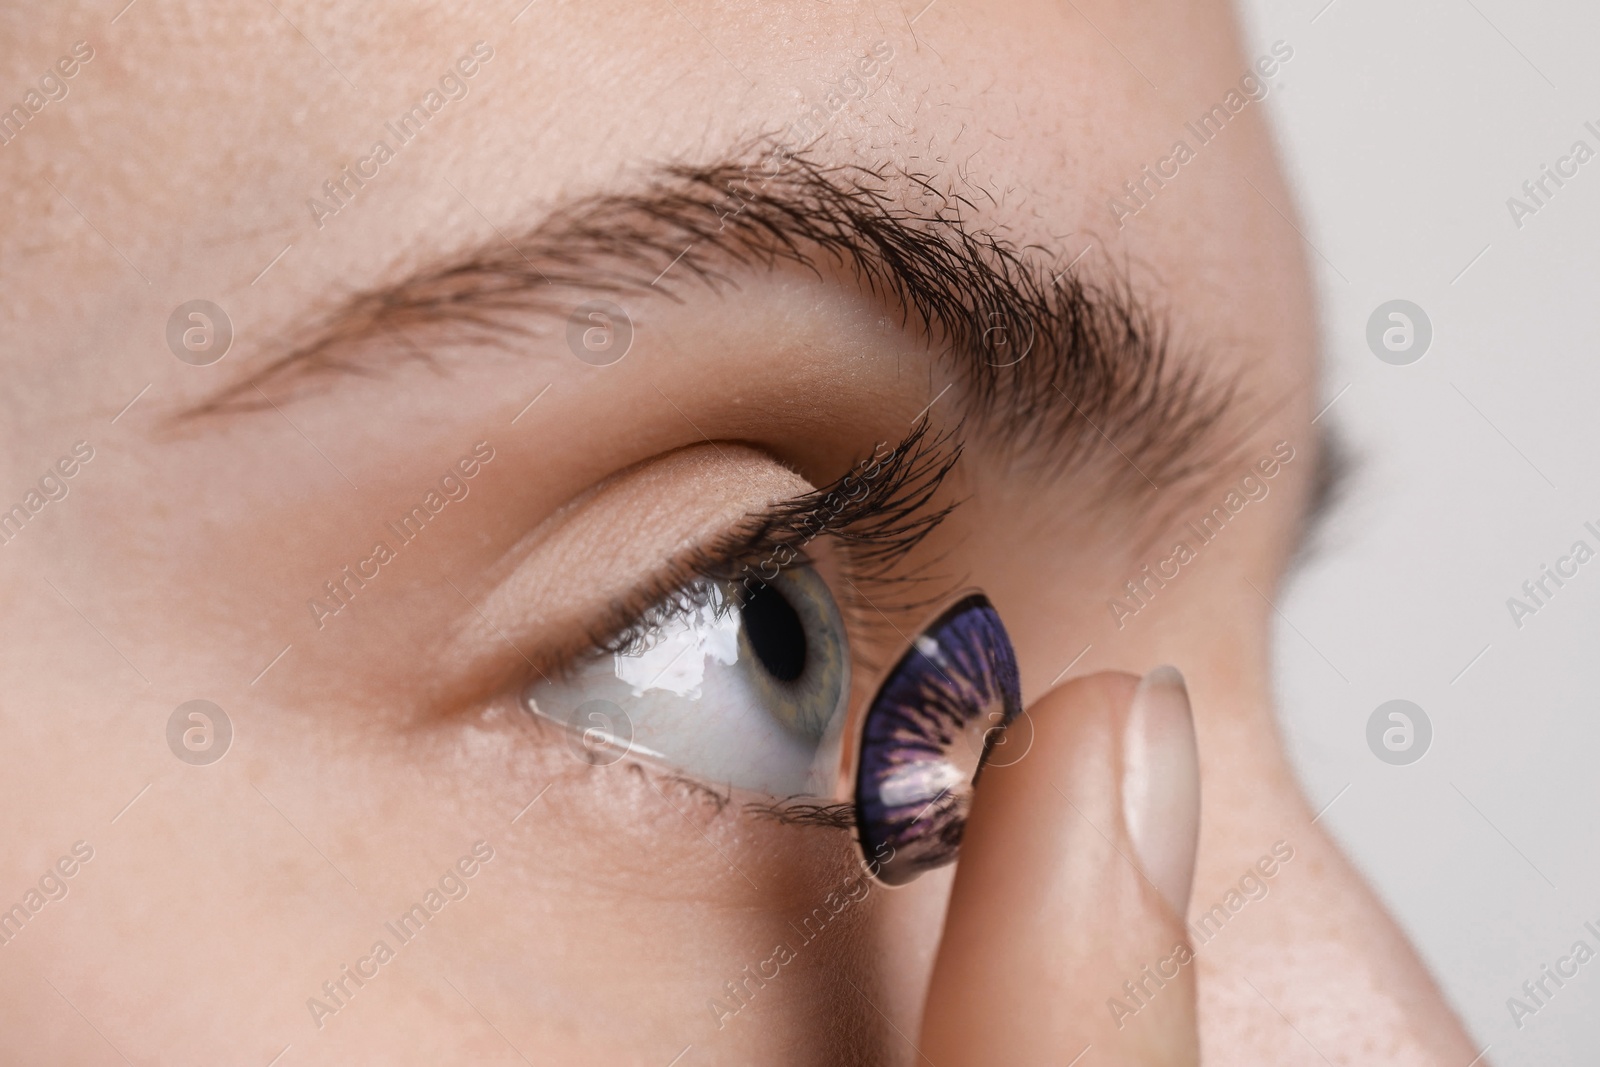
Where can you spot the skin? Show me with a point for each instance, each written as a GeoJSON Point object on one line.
{"type": "Point", "coordinates": [383, 745]}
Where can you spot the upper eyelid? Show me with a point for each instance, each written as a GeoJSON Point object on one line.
{"type": "Point", "coordinates": [883, 526]}
{"type": "Point", "coordinates": [890, 516]}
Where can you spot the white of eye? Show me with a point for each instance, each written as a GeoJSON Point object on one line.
{"type": "Point", "coordinates": [692, 692]}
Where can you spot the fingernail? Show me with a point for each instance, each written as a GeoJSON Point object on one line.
{"type": "Point", "coordinates": [1161, 784]}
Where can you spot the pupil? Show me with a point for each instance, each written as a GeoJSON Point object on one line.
{"type": "Point", "coordinates": [775, 633]}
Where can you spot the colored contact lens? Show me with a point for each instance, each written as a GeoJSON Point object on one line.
{"type": "Point", "coordinates": [927, 736]}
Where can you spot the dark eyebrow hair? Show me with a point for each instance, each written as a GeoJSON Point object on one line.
{"type": "Point", "coordinates": [1056, 367]}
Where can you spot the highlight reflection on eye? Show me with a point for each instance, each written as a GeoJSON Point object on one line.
{"type": "Point", "coordinates": [926, 737]}
{"type": "Point", "coordinates": [736, 685]}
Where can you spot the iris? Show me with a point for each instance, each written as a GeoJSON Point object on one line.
{"type": "Point", "coordinates": [926, 737]}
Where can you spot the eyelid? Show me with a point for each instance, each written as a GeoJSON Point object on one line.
{"type": "Point", "coordinates": [590, 555]}
{"type": "Point", "coordinates": [877, 527]}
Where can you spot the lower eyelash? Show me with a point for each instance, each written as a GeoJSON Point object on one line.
{"type": "Point", "coordinates": [718, 801]}
{"type": "Point", "coordinates": [794, 812]}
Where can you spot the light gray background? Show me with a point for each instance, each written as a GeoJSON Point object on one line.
{"type": "Point", "coordinates": [1406, 125]}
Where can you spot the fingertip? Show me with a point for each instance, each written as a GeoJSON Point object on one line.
{"type": "Point", "coordinates": [1070, 881]}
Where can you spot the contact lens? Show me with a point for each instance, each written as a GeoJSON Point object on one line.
{"type": "Point", "coordinates": [926, 737]}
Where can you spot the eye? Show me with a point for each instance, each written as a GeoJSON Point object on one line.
{"type": "Point", "coordinates": [741, 685]}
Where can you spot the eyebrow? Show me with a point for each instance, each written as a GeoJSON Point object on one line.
{"type": "Point", "coordinates": [1059, 371]}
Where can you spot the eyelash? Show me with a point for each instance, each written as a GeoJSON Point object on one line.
{"type": "Point", "coordinates": [878, 512]}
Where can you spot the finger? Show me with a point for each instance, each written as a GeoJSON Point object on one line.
{"type": "Point", "coordinates": [1065, 927]}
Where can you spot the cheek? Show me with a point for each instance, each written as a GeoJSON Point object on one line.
{"type": "Point", "coordinates": [611, 859]}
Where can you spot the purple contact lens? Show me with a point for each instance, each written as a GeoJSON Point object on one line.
{"type": "Point", "coordinates": [926, 737]}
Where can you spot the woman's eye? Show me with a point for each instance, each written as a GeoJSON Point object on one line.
{"type": "Point", "coordinates": [737, 685]}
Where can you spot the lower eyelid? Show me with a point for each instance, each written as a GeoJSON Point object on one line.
{"type": "Point", "coordinates": [709, 800]}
